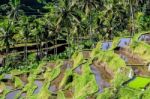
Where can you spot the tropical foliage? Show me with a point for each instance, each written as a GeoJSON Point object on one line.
{"type": "Point", "coordinates": [57, 51]}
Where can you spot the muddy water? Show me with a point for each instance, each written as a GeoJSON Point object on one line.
{"type": "Point", "coordinates": [57, 81]}
{"type": "Point", "coordinates": [145, 37]}
{"type": "Point", "coordinates": [141, 70]}
{"type": "Point", "coordinates": [129, 57]}
{"type": "Point", "coordinates": [39, 84]}
{"type": "Point", "coordinates": [23, 95]}
{"type": "Point", "coordinates": [8, 82]}
{"type": "Point", "coordinates": [78, 70]}
{"type": "Point", "coordinates": [53, 88]}
{"type": "Point", "coordinates": [99, 79]}
{"type": "Point", "coordinates": [134, 62]}
{"type": "Point", "coordinates": [12, 94]}
{"type": "Point", "coordinates": [7, 76]}
{"type": "Point", "coordinates": [67, 64]}
{"type": "Point", "coordinates": [124, 42]}
{"type": "Point", "coordinates": [106, 45]}
{"type": "Point", "coordinates": [9, 85]}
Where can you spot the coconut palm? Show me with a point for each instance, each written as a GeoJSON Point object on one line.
{"type": "Point", "coordinates": [88, 6]}
{"type": "Point", "coordinates": [15, 11]}
{"type": "Point", "coordinates": [25, 30]}
{"type": "Point", "coordinates": [51, 28]}
{"type": "Point", "coordinates": [6, 32]}
{"type": "Point", "coordinates": [67, 18]}
{"type": "Point", "coordinates": [38, 33]}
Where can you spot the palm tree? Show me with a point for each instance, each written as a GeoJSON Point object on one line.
{"type": "Point", "coordinates": [132, 17]}
{"type": "Point", "coordinates": [38, 32]}
{"type": "Point", "coordinates": [6, 30]}
{"type": "Point", "coordinates": [89, 6]}
{"type": "Point", "coordinates": [24, 27]}
{"type": "Point", "coordinates": [132, 4]}
{"type": "Point", "coordinates": [67, 17]}
{"type": "Point", "coordinates": [51, 28]}
{"type": "Point", "coordinates": [8, 24]}
{"type": "Point", "coordinates": [15, 11]}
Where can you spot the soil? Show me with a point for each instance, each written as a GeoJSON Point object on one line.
{"type": "Point", "coordinates": [86, 54]}
{"type": "Point", "coordinates": [103, 70]}
{"type": "Point", "coordinates": [130, 56]}
{"type": "Point", "coordinates": [135, 61]}
{"type": "Point", "coordinates": [58, 80]}
{"type": "Point", "coordinates": [141, 71]}
{"type": "Point", "coordinates": [68, 94]}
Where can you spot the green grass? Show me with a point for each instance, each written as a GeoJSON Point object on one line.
{"type": "Point", "coordinates": [84, 84]}
{"type": "Point", "coordinates": [128, 93]}
{"type": "Point", "coordinates": [139, 83]}
{"type": "Point", "coordinates": [142, 49]}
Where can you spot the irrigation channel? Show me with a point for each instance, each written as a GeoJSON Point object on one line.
{"type": "Point", "coordinates": [102, 75]}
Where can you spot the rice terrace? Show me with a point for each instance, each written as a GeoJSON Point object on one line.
{"type": "Point", "coordinates": [74, 49]}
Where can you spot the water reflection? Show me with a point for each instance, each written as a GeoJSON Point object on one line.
{"type": "Point", "coordinates": [39, 84]}
{"type": "Point", "coordinates": [12, 94]}
{"type": "Point", "coordinates": [124, 57]}
{"type": "Point", "coordinates": [106, 45]}
{"type": "Point", "coordinates": [53, 88]}
{"type": "Point", "coordinates": [124, 42]}
{"type": "Point", "coordinates": [7, 76]}
{"type": "Point", "coordinates": [100, 82]}
{"type": "Point", "coordinates": [144, 37]}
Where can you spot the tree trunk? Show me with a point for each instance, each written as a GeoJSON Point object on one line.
{"type": "Point", "coordinates": [55, 43]}
{"type": "Point", "coordinates": [46, 46]}
{"type": "Point", "coordinates": [25, 49]}
{"type": "Point", "coordinates": [7, 48]}
{"type": "Point", "coordinates": [69, 56]}
{"type": "Point", "coordinates": [38, 48]}
{"type": "Point", "coordinates": [132, 19]}
{"type": "Point", "coordinates": [90, 27]}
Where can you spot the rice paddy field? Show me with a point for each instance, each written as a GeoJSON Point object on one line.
{"type": "Point", "coordinates": [101, 73]}
{"type": "Point", "coordinates": [74, 49]}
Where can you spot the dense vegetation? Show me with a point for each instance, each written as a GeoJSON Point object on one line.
{"type": "Point", "coordinates": [75, 49]}
{"type": "Point", "coordinates": [103, 19]}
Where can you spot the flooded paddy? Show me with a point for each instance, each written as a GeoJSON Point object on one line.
{"type": "Point", "coordinates": [52, 88]}
{"type": "Point", "coordinates": [134, 61]}
{"type": "Point", "coordinates": [106, 45]}
{"type": "Point", "coordinates": [141, 71]}
{"type": "Point", "coordinates": [99, 80]}
{"type": "Point", "coordinates": [124, 42]}
{"type": "Point", "coordinates": [145, 38]}
{"type": "Point", "coordinates": [102, 74]}
{"type": "Point", "coordinates": [12, 94]}
{"type": "Point", "coordinates": [129, 57]}
{"type": "Point", "coordinates": [39, 86]}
